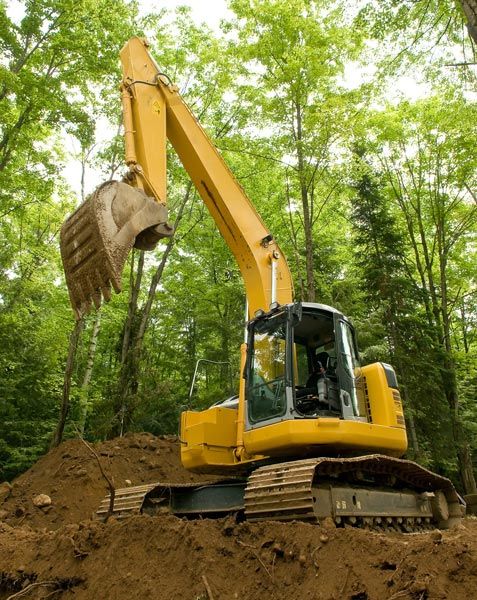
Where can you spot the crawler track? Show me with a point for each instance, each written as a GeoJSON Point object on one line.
{"type": "Point", "coordinates": [373, 491]}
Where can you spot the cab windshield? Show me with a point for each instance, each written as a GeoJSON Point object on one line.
{"type": "Point", "coordinates": [267, 381]}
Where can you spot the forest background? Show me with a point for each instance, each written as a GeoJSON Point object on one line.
{"type": "Point", "coordinates": [351, 125]}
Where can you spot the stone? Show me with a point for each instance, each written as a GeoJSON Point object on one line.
{"type": "Point", "coordinates": [436, 536]}
{"type": "Point", "coordinates": [5, 491]}
{"type": "Point", "coordinates": [328, 523]}
{"type": "Point", "coordinates": [41, 500]}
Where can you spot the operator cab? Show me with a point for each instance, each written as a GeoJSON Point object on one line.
{"type": "Point", "coordinates": [302, 363]}
{"type": "Point", "coordinates": [304, 394]}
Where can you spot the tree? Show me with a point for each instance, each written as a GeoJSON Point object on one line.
{"type": "Point", "coordinates": [295, 52]}
{"type": "Point", "coordinates": [424, 151]}
{"type": "Point", "coordinates": [52, 60]}
{"type": "Point", "coordinates": [379, 250]}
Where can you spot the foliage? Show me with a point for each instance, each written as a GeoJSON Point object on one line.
{"type": "Point", "coordinates": [51, 60]}
{"type": "Point", "coordinates": [367, 187]}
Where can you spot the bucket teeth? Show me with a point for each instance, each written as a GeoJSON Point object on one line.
{"type": "Point", "coordinates": [96, 239]}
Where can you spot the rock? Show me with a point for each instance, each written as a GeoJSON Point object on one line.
{"type": "Point", "coordinates": [128, 482]}
{"type": "Point", "coordinates": [5, 490]}
{"type": "Point", "coordinates": [324, 538]}
{"type": "Point", "coordinates": [80, 472]}
{"type": "Point", "coordinates": [3, 514]}
{"type": "Point", "coordinates": [328, 523]}
{"type": "Point", "coordinates": [41, 500]}
{"type": "Point", "coordinates": [436, 536]}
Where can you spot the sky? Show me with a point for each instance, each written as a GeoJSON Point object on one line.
{"type": "Point", "coordinates": [208, 11]}
{"type": "Point", "coordinates": [203, 11]}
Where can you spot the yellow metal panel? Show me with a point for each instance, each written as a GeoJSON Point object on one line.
{"type": "Point", "coordinates": [295, 436]}
{"type": "Point", "coordinates": [148, 122]}
{"type": "Point", "coordinates": [384, 403]}
{"type": "Point", "coordinates": [285, 438]}
{"type": "Point", "coordinates": [208, 437]}
{"type": "Point", "coordinates": [234, 214]}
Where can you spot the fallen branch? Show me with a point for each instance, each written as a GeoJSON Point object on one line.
{"type": "Point", "coordinates": [252, 548]}
{"type": "Point", "coordinates": [315, 564]}
{"type": "Point", "coordinates": [342, 591]}
{"type": "Point", "coordinates": [400, 594]}
{"type": "Point", "coordinates": [28, 588]}
{"type": "Point", "coordinates": [207, 587]}
{"type": "Point", "coordinates": [109, 481]}
{"type": "Point", "coordinates": [246, 545]}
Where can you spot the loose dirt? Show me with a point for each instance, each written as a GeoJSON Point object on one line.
{"type": "Point", "coordinates": [59, 552]}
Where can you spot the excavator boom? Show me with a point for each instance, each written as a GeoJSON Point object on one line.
{"type": "Point", "coordinates": [96, 239]}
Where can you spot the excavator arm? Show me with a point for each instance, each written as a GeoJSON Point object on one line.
{"type": "Point", "coordinates": [96, 239]}
{"type": "Point", "coordinates": [353, 410]}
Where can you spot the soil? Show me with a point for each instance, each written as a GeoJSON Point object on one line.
{"type": "Point", "coordinates": [59, 552]}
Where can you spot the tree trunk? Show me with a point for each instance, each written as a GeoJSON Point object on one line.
{"type": "Point", "coordinates": [84, 387]}
{"type": "Point", "coordinates": [65, 402]}
{"type": "Point", "coordinates": [310, 292]}
{"type": "Point", "coordinates": [467, 469]}
{"type": "Point", "coordinates": [126, 374]}
{"type": "Point", "coordinates": [437, 303]}
{"type": "Point", "coordinates": [134, 331]}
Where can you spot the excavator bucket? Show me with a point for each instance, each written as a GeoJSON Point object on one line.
{"type": "Point", "coordinates": [96, 239]}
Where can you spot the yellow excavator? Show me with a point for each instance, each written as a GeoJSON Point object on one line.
{"type": "Point", "coordinates": [311, 434]}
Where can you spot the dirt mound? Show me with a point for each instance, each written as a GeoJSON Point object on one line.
{"type": "Point", "coordinates": [59, 552]}
{"type": "Point", "coordinates": [71, 477]}
{"type": "Point", "coordinates": [164, 557]}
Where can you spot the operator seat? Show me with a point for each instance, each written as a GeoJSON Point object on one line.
{"type": "Point", "coordinates": [320, 366]}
